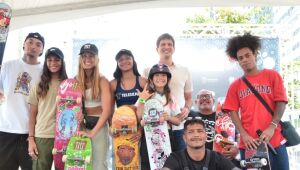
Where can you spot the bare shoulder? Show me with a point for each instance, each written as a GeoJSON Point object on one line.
{"type": "Point", "coordinates": [113, 84]}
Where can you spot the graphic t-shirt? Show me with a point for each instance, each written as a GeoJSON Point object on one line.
{"type": "Point", "coordinates": [16, 80]}
{"type": "Point", "coordinates": [254, 115]}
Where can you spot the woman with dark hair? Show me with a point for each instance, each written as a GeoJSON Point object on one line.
{"type": "Point", "coordinates": [126, 83]}
{"type": "Point", "coordinates": [127, 80]}
{"type": "Point", "coordinates": [42, 110]}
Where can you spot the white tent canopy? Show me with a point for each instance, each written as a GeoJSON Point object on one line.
{"type": "Point", "coordinates": [34, 12]}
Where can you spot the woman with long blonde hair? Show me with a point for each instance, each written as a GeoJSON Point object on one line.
{"type": "Point", "coordinates": [97, 104]}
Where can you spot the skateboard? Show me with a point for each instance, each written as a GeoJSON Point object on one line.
{"type": "Point", "coordinates": [69, 105]}
{"type": "Point", "coordinates": [5, 15]}
{"type": "Point", "coordinates": [156, 133]}
{"type": "Point", "coordinates": [224, 129]}
{"type": "Point", "coordinates": [257, 159]}
{"type": "Point", "coordinates": [124, 125]}
{"type": "Point", "coordinates": [79, 154]}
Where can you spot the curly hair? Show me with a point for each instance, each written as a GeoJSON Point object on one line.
{"type": "Point", "coordinates": [238, 42]}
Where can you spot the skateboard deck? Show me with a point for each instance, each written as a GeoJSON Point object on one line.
{"type": "Point", "coordinates": [5, 15]}
{"type": "Point", "coordinates": [124, 125]}
{"type": "Point", "coordinates": [156, 133]}
{"type": "Point", "coordinates": [79, 154]}
{"type": "Point", "coordinates": [257, 159]}
{"type": "Point", "coordinates": [68, 106]}
{"type": "Point", "coordinates": [224, 130]}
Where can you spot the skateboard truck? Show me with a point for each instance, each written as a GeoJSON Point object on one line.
{"type": "Point", "coordinates": [259, 132]}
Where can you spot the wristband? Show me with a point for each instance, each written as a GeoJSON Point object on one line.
{"type": "Point", "coordinates": [141, 100]}
{"type": "Point", "coordinates": [275, 124]}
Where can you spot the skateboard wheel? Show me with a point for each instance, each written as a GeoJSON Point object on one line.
{"type": "Point", "coordinates": [78, 100]}
{"type": "Point", "coordinates": [64, 158]}
{"type": "Point", "coordinates": [243, 163]}
{"type": "Point", "coordinates": [54, 151]}
{"type": "Point", "coordinates": [264, 161]}
{"type": "Point", "coordinates": [88, 159]}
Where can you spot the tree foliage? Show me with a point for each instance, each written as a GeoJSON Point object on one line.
{"type": "Point", "coordinates": [255, 15]}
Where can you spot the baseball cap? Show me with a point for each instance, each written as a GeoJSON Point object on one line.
{"type": "Point", "coordinates": [37, 36]}
{"type": "Point", "coordinates": [123, 52]}
{"type": "Point", "coordinates": [54, 51]}
{"type": "Point", "coordinates": [91, 48]}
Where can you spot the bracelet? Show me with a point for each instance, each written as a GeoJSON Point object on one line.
{"type": "Point", "coordinates": [31, 136]}
{"type": "Point", "coordinates": [141, 100]}
{"type": "Point", "coordinates": [275, 124]}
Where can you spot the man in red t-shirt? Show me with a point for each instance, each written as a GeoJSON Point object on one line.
{"type": "Point", "coordinates": [253, 115]}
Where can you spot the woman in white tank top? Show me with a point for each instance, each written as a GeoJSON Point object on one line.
{"type": "Point", "coordinates": [96, 91]}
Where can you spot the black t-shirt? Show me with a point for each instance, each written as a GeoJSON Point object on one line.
{"type": "Point", "coordinates": [209, 121]}
{"type": "Point", "coordinates": [217, 162]}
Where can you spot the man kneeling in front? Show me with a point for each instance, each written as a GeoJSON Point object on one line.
{"type": "Point", "coordinates": [195, 156]}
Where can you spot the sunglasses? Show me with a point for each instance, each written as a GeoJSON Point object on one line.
{"type": "Point", "coordinates": [204, 96]}
{"type": "Point", "coordinates": [192, 118]}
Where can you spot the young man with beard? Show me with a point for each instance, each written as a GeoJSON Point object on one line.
{"type": "Point", "coordinates": [205, 102]}
{"type": "Point", "coordinates": [253, 115]}
{"type": "Point", "coordinates": [16, 79]}
{"type": "Point", "coordinates": [195, 156]}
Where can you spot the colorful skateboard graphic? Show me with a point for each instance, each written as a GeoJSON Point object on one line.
{"type": "Point", "coordinates": [257, 159]}
{"type": "Point", "coordinates": [156, 133]}
{"type": "Point", "coordinates": [79, 154]}
{"type": "Point", "coordinates": [68, 106]}
{"type": "Point", "coordinates": [5, 16]}
{"type": "Point", "coordinates": [224, 130]}
{"type": "Point", "coordinates": [124, 125]}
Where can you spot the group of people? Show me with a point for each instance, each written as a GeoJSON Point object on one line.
{"type": "Point", "coordinates": [28, 89]}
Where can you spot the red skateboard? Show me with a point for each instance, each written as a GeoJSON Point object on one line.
{"type": "Point", "coordinates": [224, 130]}
{"type": "Point", "coordinates": [5, 15]}
{"type": "Point", "coordinates": [68, 106]}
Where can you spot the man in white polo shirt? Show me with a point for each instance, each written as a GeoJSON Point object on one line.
{"type": "Point", "coordinates": [180, 84]}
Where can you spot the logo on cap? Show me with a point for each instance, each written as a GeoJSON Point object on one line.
{"type": "Point", "coordinates": [87, 46]}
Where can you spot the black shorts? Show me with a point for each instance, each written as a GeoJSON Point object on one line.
{"type": "Point", "coordinates": [14, 151]}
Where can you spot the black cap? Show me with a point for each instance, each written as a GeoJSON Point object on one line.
{"type": "Point", "coordinates": [91, 48]}
{"type": "Point", "coordinates": [55, 51]}
{"type": "Point", "coordinates": [37, 36]}
{"type": "Point", "coordinates": [123, 52]}
{"type": "Point", "coordinates": [159, 68]}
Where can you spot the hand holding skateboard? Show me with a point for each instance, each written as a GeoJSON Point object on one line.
{"type": "Point", "coordinates": [250, 142]}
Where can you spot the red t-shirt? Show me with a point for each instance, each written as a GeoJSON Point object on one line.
{"type": "Point", "coordinates": [253, 114]}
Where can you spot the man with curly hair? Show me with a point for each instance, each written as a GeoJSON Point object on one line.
{"type": "Point", "coordinates": [253, 115]}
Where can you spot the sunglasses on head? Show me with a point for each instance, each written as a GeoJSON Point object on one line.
{"type": "Point", "coordinates": [192, 118]}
